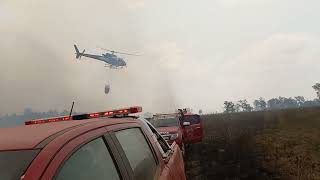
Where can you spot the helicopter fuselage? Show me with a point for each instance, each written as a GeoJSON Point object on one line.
{"type": "Point", "coordinates": [110, 59]}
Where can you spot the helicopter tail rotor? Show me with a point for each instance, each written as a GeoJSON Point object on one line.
{"type": "Point", "coordinates": [78, 54]}
{"type": "Point", "coordinates": [82, 53]}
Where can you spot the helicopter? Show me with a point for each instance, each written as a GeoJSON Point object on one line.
{"type": "Point", "coordinates": [107, 89]}
{"type": "Point", "coordinates": [112, 61]}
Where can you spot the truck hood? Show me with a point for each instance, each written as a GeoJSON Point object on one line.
{"type": "Point", "coordinates": [173, 129]}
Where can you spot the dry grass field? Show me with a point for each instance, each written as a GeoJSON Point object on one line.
{"type": "Point", "coordinates": [282, 144]}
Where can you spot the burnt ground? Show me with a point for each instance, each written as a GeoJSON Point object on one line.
{"type": "Point", "coordinates": [215, 161]}
{"type": "Point", "coordinates": [257, 145]}
{"type": "Point", "coordinates": [226, 151]}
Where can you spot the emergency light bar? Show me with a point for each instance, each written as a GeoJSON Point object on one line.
{"type": "Point", "coordinates": [111, 113]}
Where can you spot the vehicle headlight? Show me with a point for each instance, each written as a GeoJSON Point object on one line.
{"type": "Point", "coordinates": [174, 136]}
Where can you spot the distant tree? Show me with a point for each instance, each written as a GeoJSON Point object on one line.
{"type": "Point", "coordinates": [260, 104]}
{"type": "Point", "coordinates": [28, 114]}
{"type": "Point", "coordinates": [263, 104]}
{"type": "Point", "coordinates": [256, 105]}
{"type": "Point", "coordinates": [316, 87]}
{"type": "Point", "coordinates": [310, 103]}
{"type": "Point", "coordinates": [245, 106]}
{"type": "Point", "coordinates": [64, 113]}
{"type": "Point", "coordinates": [200, 111]}
{"type": "Point", "coordinates": [289, 103]}
{"type": "Point", "coordinates": [237, 107]}
{"type": "Point", "coordinates": [284, 103]}
{"type": "Point", "coordinates": [239, 104]}
{"type": "Point", "coordinates": [27, 111]}
{"type": "Point", "coordinates": [52, 113]}
{"type": "Point", "coordinates": [229, 107]}
{"type": "Point", "coordinates": [274, 103]}
{"type": "Point", "coordinates": [317, 102]}
{"type": "Point", "coordinates": [300, 100]}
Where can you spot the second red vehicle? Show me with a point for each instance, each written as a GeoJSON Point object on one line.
{"type": "Point", "coordinates": [182, 128]}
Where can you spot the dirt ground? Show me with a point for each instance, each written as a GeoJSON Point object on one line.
{"type": "Point", "coordinates": [213, 160]}
{"type": "Point", "coordinates": [257, 145]}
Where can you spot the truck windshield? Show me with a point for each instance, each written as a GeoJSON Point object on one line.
{"type": "Point", "coordinates": [168, 122]}
{"type": "Point", "coordinates": [13, 164]}
{"type": "Point", "coordinates": [193, 119]}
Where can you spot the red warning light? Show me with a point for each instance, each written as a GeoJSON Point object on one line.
{"type": "Point", "coordinates": [124, 112]}
{"type": "Point", "coordinates": [135, 109]}
{"type": "Point", "coordinates": [94, 115]}
{"type": "Point", "coordinates": [42, 121]}
{"type": "Point", "coordinates": [66, 118]}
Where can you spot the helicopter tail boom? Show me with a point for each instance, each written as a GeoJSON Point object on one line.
{"type": "Point", "coordinates": [78, 54]}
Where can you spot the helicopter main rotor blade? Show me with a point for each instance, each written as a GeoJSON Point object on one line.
{"type": "Point", "coordinates": [112, 51]}
{"type": "Point", "coordinates": [107, 49]}
{"type": "Point", "coordinates": [128, 54]}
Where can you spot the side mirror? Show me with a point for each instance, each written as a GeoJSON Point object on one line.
{"type": "Point", "coordinates": [186, 123]}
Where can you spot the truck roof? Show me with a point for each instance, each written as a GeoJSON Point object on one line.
{"type": "Point", "coordinates": [29, 136]}
{"type": "Point", "coordinates": [189, 114]}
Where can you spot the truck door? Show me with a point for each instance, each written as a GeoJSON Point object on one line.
{"type": "Point", "coordinates": [175, 163]}
{"type": "Point", "coordinates": [193, 132]}
{"type": "Point", "coordinates": [88, 156]}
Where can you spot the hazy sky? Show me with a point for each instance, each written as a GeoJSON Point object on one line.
{"type": "Point", "coordinates": [195, 53]}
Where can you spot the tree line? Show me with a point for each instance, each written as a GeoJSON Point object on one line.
{"type": "Point", "coordinates": [28, 114]}
{"type": "Point", "coordinates": [272, 104]}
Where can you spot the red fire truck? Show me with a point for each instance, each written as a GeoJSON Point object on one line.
{"type": "Point", "coordinates": [182, 127]}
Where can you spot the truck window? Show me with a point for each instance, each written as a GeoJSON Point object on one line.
{"type": "Point", "coordinates": [163, 145]}
{"type": "Point", "coordinates": [91, 161]}
{"type": "Point", "coordinates": [138, 152]}
{"type": "Point", "coordinates": [13, 164]}
{"type": "Point", "coordinates": [157, 138]}
{"type": "Point", "coordinates": [165, 122]}
{"type": "Point", "coordinates": [193, 119]}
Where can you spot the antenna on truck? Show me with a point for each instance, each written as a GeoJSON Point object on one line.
{"type": "Point", "coordinates": [71, 109]}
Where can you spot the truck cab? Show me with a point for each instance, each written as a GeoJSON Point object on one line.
{"type": "Point", "coordinates": [182, 127]}
{"type": "Point", "coordinates": [170, 127]}
{"type": "Point", "coordinates": [101, 145]}
{"type": "Point", "coordinates": [193, 129]}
